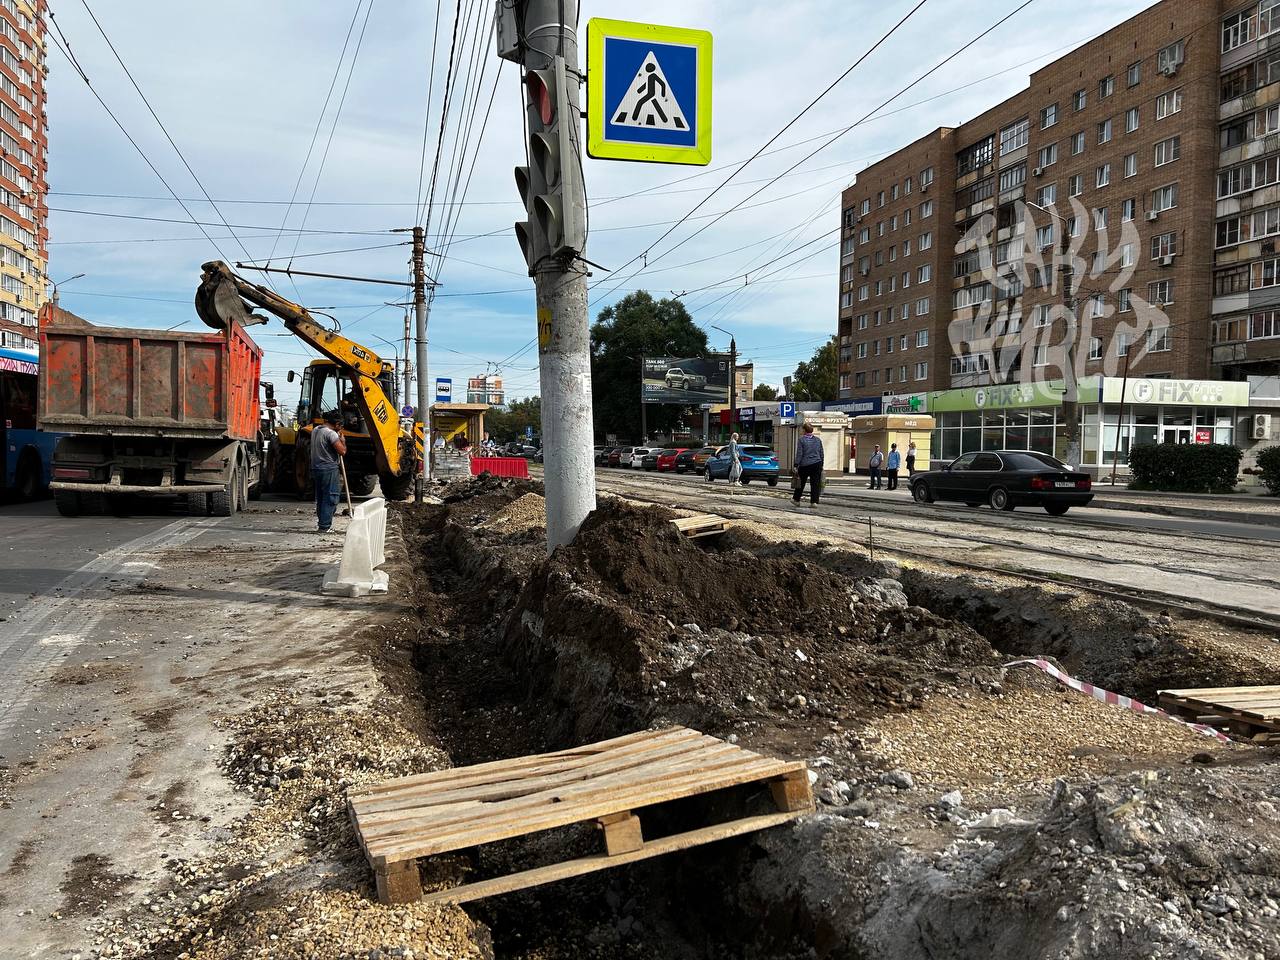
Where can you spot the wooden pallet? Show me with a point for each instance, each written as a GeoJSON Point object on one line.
{"type": "Point", "coordinates": [1249, 711]}
{"type": "Point", "coordinates": [401, 820]}
{"type": "Point", "coordinates": [701, 525]}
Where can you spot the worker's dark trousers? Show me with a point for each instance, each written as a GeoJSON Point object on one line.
{"type": "Point", "coordinates": [326, 482]}
{"type": "Point", "coordinates": [812, 475]}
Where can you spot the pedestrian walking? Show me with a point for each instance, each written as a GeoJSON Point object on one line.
{"type": "Point", "coordinates": [808, 466]}
{"type": "Point", "coordinates": [911, 459]}
{"type": "Point", "coordinates": [892, 465]}
{"type": "Point", "coordinates": [874, 463]}
{"type": "Point", "coordinates": [735, 464]}
{"type": "Point", "coordinates": [327, 446]}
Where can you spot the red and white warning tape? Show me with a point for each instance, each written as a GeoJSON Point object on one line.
{"type": "Point", "coordinates": [1115, 699]}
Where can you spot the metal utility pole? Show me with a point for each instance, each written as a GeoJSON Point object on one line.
{"type": "Point", "coordinates": [541, 36]}
{"type": "Point", "coordinates": [733, 376]}
{"type": "Point", "coordinates": [408, 367]}
{"type": "Point", "coordinates": [644, 414]}
{"type": "Point", "coordinates": [421, 409]}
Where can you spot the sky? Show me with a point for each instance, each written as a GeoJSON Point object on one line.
{"type": "Point", "coordinates": [241, 92]}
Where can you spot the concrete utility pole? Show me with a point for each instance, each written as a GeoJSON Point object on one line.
{"type": "Point", "coordinates": [408, 367]}
{"type": "Point", "coordinates": [422, 409]}
{"type": "Point", "coordinates": [733, 375]}
{"type": "Point", "coordinates": [553, 241]}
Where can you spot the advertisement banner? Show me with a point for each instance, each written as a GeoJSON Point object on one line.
{"type": "Point", "coordinates": [861, 407]}
{"type": "Point", "coordinates": [1187, 393]}
{"type": "Point", "coordinates": [1009, 395]}
{"type": "Point", "coordinates": [686, 380]}
{"type": "Point", "coordinates": [904, 403]}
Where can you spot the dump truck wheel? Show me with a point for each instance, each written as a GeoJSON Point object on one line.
{"type": "Point", "coordinates": [198, 504]}
{"type": "Point", "coordinates": [28, 481]}
{"type": "Point", "coordinates": [67, 502]}
{"type": "Point", "coordinates": [117, 504]}
{"type": "Point", "coordinates": [222, 503]}
{"type": "Point", "coordinates": [359, 486]}
{"type": "Point", "coordinates": [396, 487]}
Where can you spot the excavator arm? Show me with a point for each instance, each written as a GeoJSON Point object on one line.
{"type": "Point", "coordinates": [224, 297]}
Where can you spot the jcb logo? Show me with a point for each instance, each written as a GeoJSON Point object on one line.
{"type": "Point", "coordinates": [380, 411]}
{"type": "Point", "coordinates": [362, 354]}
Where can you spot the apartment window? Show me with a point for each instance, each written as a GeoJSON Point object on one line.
{"type": "Point", "coordinates": [1122, 344]}
{"type": "Point", "coordinates": [922, 370]}
{"type": "Point", "coordinates": [1164, 198]}
{"type": "Point", "coordinates": [1126, 255]}
{"type": "Point", "coordinates": [1098, 305]}
{"type": "Point", "coordinates": [1100, 218]}
{"type": "Point", "coordinates": [1134, 75]}
{"type": "Point", "coordinates": [1048, 155]}
{"type": "Point", "coordinates": [1075, 185]}
{"type": "Point", "coordinates": [1013, 177]}
{"type": "Point", "coordinates": [1078, 100]}
{"type": "Point", "coordinates": [1077, 143]}
{"type": "Point", "coordinates": [1164, 245]}
{"type": "Point", "coordinates": [859, 380]}
{"type": "Point", "coordinates": [1168, 151]}
{"type": "Point", "coordinates": [1237, 30]}
{"type": "Point", "coordinates": [1264, 326]}
{"type": "Point", "coordinates": [1044, 236]}
{"type": "Point", "coordinates": [906, 279]}
{"type": "Point", "coordinates": [926, 177]}
{"type": "Point", "coordinates": [888, 345]}
{"type": "Point", "coordinates": [976, 156]}
{"type": "Point", "coordinates": [1131, 117]}
{"type": "Point", "coordinates": [1047, 194]}
{"type": "Point", "coordinates": [906, 247]}
{"type": "Point", "coordinates": [1104, 131]}
{"type": "Point", "coordinates": [893, 222]}
{"type": "Point", "coordinates": [922, 338]}
{"type": "Point", "coordinates": [1042, 315]}
{"type": "Point", "coordinates": [1048, 116]}
{"type": "Point", "coordinates": [926, 241]}
{"type": "Point", "coordinates": [1226, 331]}
{"type": "Point", "coordinates": [906, 217]}
{"type": "Point", "coordinates": [904, 342]}
{"type": "Point", "coordinates": [1041, 355]}
{"type": "Point", "coordinates": [866, 206]}
{"type": "Point", "coordinates": [1131, 165]}
{"type": "Point", "coordinates": [864, 235]}
{"type": "Point", "coordinates": [875, 377]}
{"type": "Point", "coordinates": [1268, 17]}
{"type": "Point", "coordinates": [906, 311]}
{"type": "Point", "coordinates": [879, 228]}
{"type": "Point", "coordinates": [1073, 227]}
{"type": "Point", "coordinates": [879, 258]}
{"type": "Point", "coordinates": [1015, 136]}
{"type": "Point", "coordinates": [1128, 210]}
{"type": "Point", "coordinates": [1106, 87]}
{"type": "Point", "coordinates": [1124, 299]}
{"type": "Point", "coordinates": [893, 192]}
{"type": "Point", "coordinates": [1160, 292]}
{"type": "Point", "coordinates": [1103, 175]}
{"type": "Point", "coordinates": [902, 373]}
{"type": "Point", "coordinates": [1171, 56]}
{"type": "Point", "coordinates": [881, 199]}
{"type": "Point", "coordinates": [922, 307]}
{"type": "Point", "coordinates": [1168, 104]}
{"type": "Point", "coordinates": [844, 381]}
{"type": "Point", "coordinates": [862, 351]}
{"type": "Point", "coordinates": [926, 209]}
{"type": "Point", "coordinates": [1095, 348]}
{"type": "Point", "coordinates": [879, 317]}
{"type": "Point", "coordinates": [862, 321]}
{"type": "Point", "coordinates": [908, 186]}
{"type": "Point", "coordinates": [1158, 340]}
{"type": "Point", "coordinates": [924, 274]}
{"type": "Point", "coordinates": [864, 292]}
{"type": "Point", "coordinates": [1264, 273]}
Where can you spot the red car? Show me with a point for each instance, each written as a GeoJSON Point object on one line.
{"type": "Point", "coordinates": [667, 459]}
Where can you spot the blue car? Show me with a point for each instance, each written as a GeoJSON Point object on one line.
{"type": "Point", "coordinates": [758, 463]}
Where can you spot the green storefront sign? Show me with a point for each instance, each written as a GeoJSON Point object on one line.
{"type": "Point", "coordinates": [1010, 396]}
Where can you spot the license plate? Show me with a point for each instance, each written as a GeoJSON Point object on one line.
{"type": "Point", "coordinates": [1066, 483]}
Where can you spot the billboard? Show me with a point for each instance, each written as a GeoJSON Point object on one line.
{"type": "Point", "coordinates": [686, 380]}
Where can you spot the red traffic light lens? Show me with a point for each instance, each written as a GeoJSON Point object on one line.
{"type": "Point", "coordinates": [539, 95]}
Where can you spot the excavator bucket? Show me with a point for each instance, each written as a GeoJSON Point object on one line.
{"type": "Point", "coordinates": [218, 302]}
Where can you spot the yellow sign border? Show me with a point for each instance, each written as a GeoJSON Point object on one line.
{"type": "Point", "coordinates": [598, 29]}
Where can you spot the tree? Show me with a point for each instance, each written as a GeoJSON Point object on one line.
{"type": "Point", "coordinates": [507, 425]}
{"type": "Point", "coordinates": [634, 327]}
{"type": "Point", "coordinates": [764, 392]}
{"type": "Point", "coordinates": [816, 378]}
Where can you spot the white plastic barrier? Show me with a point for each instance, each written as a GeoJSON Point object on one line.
{"type": "Point", "coordinates": [362, 552]}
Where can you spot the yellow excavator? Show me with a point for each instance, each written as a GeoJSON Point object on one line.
{"type": "Point", "coordinates": [351, 379]}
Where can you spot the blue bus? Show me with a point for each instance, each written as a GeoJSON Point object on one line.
{"type": "Point", "coordinates": [25, 452]}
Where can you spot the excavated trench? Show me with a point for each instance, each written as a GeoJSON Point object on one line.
{"type": "Point", "coordinates": [791, 648]}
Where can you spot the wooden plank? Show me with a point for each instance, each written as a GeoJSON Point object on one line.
{"type": "Point", "coordinates": [433, 822]}
{"type": "Point", "coordinates": [398, 882]}
{"type": "Point", "coordinates": [622, 833]}
{"type": "Point", "coordinates": [491, 788]}
{"type": "Point", "coordinates": [584, 753]}
{"type": "Point", "coordinates": [697, 520]}
{"type": "Point", "coordinates": [585, 865]}
{"type": "Point", "coordinates": [1201, 692]}
{"type": "Point", "coordinates": [1264, 711]}
{"type": "Point", "coordinates": [793, 792]}
{"type": "Point", "coordinates": [524, 821]}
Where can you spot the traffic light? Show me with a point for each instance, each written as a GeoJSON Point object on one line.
{"type": "Point", "coordinates": [550, 186]}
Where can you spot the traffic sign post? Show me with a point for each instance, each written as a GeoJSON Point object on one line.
{"type": "Point", "coordinates": [648, 92]}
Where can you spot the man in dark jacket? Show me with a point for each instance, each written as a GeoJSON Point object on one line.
{"type": "Point", "coordinates": [808, 466]}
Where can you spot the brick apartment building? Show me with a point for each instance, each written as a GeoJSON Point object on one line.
{"type": "Point", "coordinates": [1152, 151]}
{"type": "Point", "coordinates": [24, 168]}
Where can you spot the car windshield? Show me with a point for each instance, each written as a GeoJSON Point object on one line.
{"type": "Point", "coordinates": [670, 453]}
{"type": "Point", "coordinates": [1032, 461]}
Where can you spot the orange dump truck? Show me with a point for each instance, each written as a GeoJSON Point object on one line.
{"type": "Point", "coordinates": [149, 412]}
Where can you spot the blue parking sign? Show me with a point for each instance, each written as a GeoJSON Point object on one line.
{"type": "Point", "coordinates": [786, 410]}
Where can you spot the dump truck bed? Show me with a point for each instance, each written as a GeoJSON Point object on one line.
{"type": "Point", "coordinates": [155, 383]}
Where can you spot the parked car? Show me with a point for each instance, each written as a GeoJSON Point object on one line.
{"type": "Point", "coordinates": [758, 463]}
{"type": "Point", "coordinates": [615, 456]}
{"type": "Point", "coordinates": [650, 461]}
{"type": "Point", "coordinates": [667, 459]}
{"type": "Point", "coordinates": [684, 379]}
{"type": "Point", "coordinates": [700, 458]}
{"type": "Point", "coordinates": [1006, 479]}
{"type": "Point", "coordinates": [600, 454]}
{"type": "Point", "coordinates": [684, 462]}
{"type": "Point", "coordinates": [639, 453]}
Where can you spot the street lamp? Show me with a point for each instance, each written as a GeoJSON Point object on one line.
{"type": "Point", "coordinates": [60, 283]}
{"type": "Point", "coordinates": [733, 374]}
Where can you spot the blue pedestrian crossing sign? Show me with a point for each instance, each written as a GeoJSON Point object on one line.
{"type": "Point", "coordinates": [648, 92]}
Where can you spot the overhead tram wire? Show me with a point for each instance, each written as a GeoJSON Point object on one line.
{"type": "Point", "coordinates": [315, 134]}
{"type": "Point", "coordinates": [59, 39]}
{"type": "Point", "coordinates": [209, 223]}
{"type": "Point", "coordinates": [423, 218]}
{"type": "Point", "coordinates": [835, 137]}
{"type": "Point", "coordinates": [163, 128]}
{"type": "Point", "coordinates": [426, 118]}
{"type": "Point", "coordinates": [643, 255]}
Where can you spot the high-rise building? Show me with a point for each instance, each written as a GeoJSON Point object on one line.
{"type": "Point", "coordinates": [24, 170]}
{"type": "Point", "coordinates": [1116, 219]}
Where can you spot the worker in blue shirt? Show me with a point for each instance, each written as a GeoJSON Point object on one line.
{"type": "Point", "coordinates": [892, 465]}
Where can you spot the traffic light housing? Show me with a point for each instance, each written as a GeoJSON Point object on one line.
{"type": "Point", "coordinates": [551, 185]}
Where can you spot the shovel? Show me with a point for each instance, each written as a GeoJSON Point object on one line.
{"type": "Point", "coordinates": [345, 486]}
